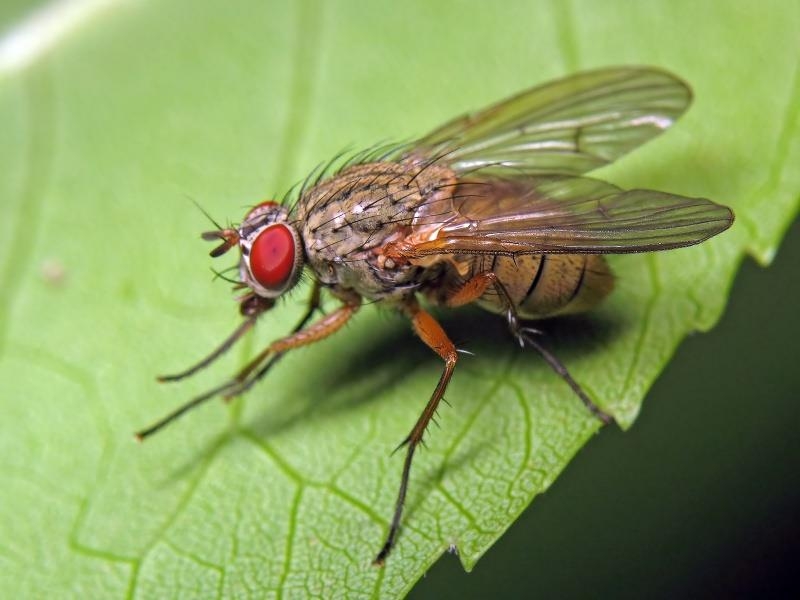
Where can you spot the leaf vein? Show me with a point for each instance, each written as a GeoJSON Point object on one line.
{"type": "Point", "coordinates": [290, 537]}
{"type": "Point", "coordinates": [352, 500]}
{"type": "Point", "coordinates": [181, 506]}
{"type": "Point", "coordinates": [273, 454]}
{"type": "Point", "coordinates": [479, 406]}
{"type": "Point", "coordinates": [453, 501]}
{"type": "Point", "coordinates": [194, 558]}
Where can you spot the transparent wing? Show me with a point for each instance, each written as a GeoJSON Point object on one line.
{"type": "Point", "coordinates": [569, 126]}
{"type": "Point", "coordinates": [559, 214]}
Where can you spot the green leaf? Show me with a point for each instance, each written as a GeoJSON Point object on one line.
{"type": "Point", "coordinates": [289, 490]}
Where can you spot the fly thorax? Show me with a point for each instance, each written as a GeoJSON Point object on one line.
{"type": "Point", "coordinates": [348, 218]}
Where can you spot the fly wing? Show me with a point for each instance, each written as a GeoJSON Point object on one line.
{"type": "Point", "coordinates": [559, 214]}
{"type": "Point", "coordinates": [569, 126]}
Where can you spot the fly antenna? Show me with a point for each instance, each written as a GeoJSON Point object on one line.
{"type": "Point", "coordinates": [206, 213]}
{"type": "Point", "coordinates": [224, 277]}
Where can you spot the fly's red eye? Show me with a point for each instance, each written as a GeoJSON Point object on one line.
{"type": "Point", "coordinates": [272, 257]}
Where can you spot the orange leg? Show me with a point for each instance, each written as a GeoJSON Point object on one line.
{"type": "Point", "coordinates": [474, 288]}
{"type": "Point", "coordinates": [245, 379]}
{"type": "Point", "coordinates": [429, 330]}
{"type": "Point", "coordinates": [326, 326]}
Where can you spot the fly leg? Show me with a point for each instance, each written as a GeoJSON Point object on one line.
{"type": "Point", "coordinates": [429, 330]}
{"type": "Point", "coordinates": [476, 286]}
{"type": "Point", "coordinates": [255, 308]}
{"type": "Point", "coordinates": [257, 367]}
{"type": "Point", "coordinates": [317, 331]}
{"type": "Point", "coordinates": [525, 335]}
{"type": "Point", "coordinates": [251, 307]}
{"type": "Point", "coordinates": [314, 304]}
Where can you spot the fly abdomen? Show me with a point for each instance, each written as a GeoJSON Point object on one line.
{"type": "Point", "coordinates": [546, 285]}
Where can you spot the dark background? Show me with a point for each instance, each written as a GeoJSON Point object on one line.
{"type": "Point", "coordinates": [701, 498]}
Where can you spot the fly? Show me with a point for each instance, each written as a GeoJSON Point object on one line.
{"type": "Point", "coordinates": [492, 208]}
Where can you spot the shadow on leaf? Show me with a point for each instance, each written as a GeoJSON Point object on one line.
{"type": "Point", "coordinates": [365, 368]}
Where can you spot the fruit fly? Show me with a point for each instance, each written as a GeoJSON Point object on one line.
{"type": "Point", "coordinates": [492, 208]}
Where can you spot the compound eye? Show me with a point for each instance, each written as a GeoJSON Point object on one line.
{"type": "Point", "coordinates": [272, 257]}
